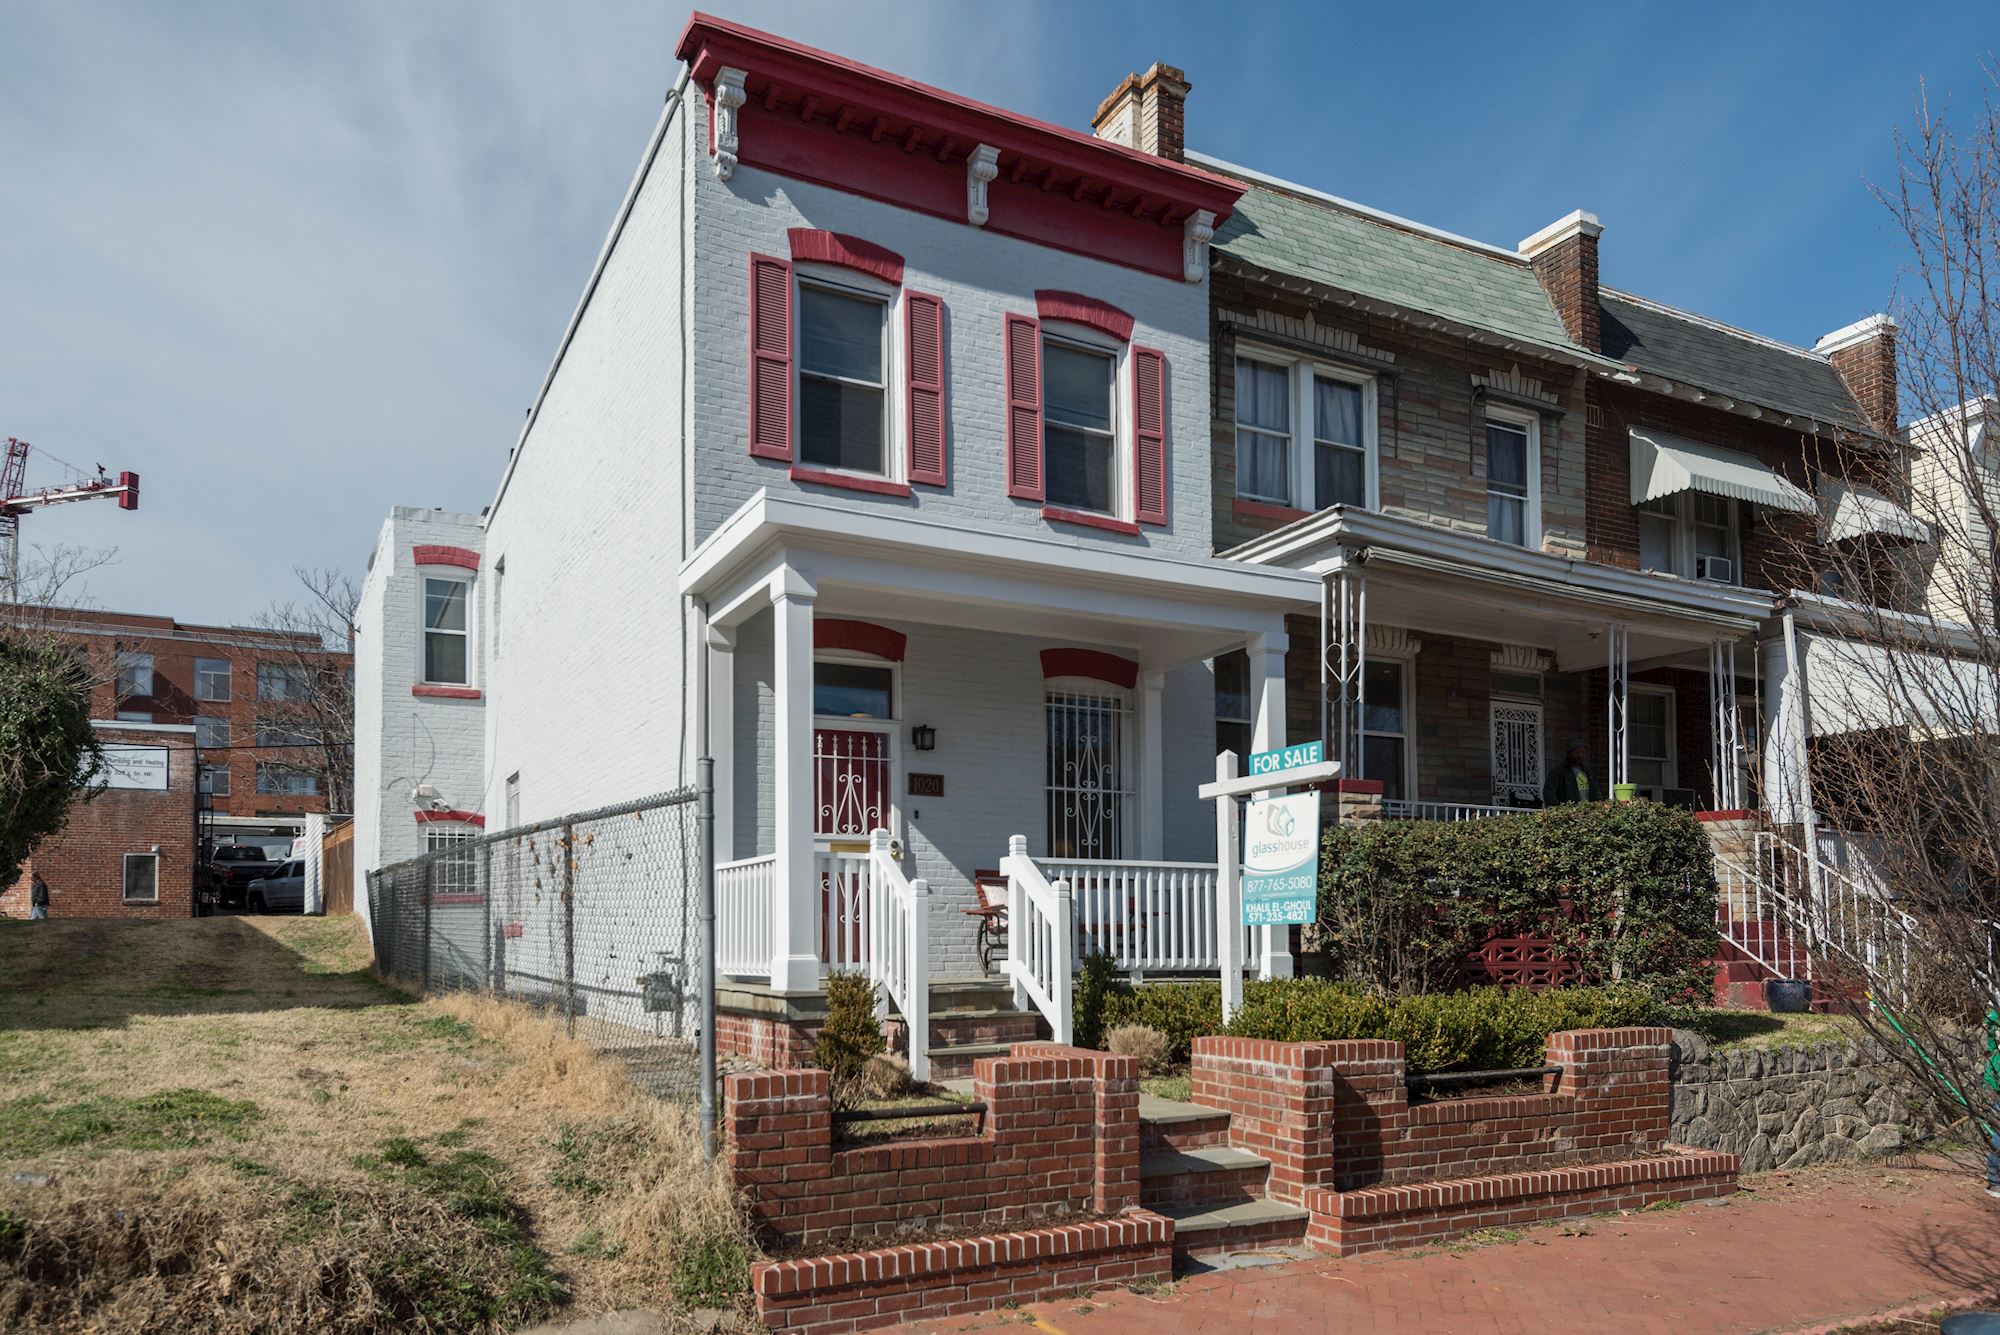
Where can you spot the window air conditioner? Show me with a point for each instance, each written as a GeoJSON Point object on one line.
{"type": "Point", "coordinates": [1716, 568]}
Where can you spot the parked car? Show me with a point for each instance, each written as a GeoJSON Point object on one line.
{"type": "Point", "coordinates": [231, 868]}
{"type": "Point", "coordinates": [283, 891]}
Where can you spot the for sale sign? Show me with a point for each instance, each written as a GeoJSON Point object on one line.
{"type": "Point", "coordinates": [1281, 860]}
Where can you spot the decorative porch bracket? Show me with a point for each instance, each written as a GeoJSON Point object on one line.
{"type": "Point", "coordinates": [1617, 702]}
{"type": "Point", "coordinates": [1343, 650]}
{"type": "Point", "coordinates": [1726, 717]}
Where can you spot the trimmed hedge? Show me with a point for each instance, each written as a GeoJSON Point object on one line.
{"type": "Point", "coordinates": [1625, 889]}
{"type": "Point", "coordinates": [1479, 1029]}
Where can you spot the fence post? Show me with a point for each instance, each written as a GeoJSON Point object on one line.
{"type": "Point", "coordinates": [568, 847]}
{"type": "Point", "coordinates": [429, 868]}
{"type": "Point", "coordinates": [486, 908]}
{"type": "Point", "coordinates": [705, 842]}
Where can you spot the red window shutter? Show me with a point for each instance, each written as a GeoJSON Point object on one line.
{"type": "Point", "coordinates": [770, 357]}
{"type": "Point", "coordinates": [923, 341]}
{"type": "Point", "coordinates": [1149, 454]}
{"type": "Point", "coordinates": [1024, 407]}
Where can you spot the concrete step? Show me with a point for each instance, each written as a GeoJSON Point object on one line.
{"type": "Point", "coordinates": [955, 1062]}
{"type": "Point", "coordinates": [1167, 1125]}
{"type": "Point", "coordinates": [1204, 1230]}
{"type": "Point", "coordinates": [1213, 1176]}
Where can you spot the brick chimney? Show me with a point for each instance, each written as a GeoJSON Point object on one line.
{"type": "Point", "coordinates": [1565, 258]}
{"type": "Point", "coordinates": [1864, 356]}
{"type": "Point", "coordinates": [1147, 112]}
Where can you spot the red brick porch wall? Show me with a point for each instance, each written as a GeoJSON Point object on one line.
{"type": "Point", "coordinates": [1060, 1137]}
{"type": "Point", "coordinates": [1280, 1101]}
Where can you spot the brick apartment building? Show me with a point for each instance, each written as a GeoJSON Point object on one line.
{"type": "Point", "coordinates": [232, 685]}
{"type": "Point", "coordinates": [130, 851]}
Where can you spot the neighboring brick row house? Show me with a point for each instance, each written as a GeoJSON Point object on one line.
{"type": "Point", "coordinates": [945, 473]}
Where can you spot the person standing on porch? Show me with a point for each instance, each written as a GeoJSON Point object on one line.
{"type": "Point", "coordinates": [1569, 781]}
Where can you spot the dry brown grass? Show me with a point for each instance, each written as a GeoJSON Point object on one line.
{"type": "Point", "coordinates": [454, 1164]}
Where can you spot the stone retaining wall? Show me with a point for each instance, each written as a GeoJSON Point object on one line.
{"type": "Point", "coordinates": [1790, 1107]}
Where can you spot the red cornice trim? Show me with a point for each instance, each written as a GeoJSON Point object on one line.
{"type": "Point", "coordinates": [848, 482]}
{"type": "Point", "coordinates": [451, 817]}
{"type": "Point", "coordinates": [1284, 514]}
{"type": "Point", "coordinates": [1734, 813]}
{"type": "Point", "coordinates": [1058, 515]}
{"type": "Point", "coordinates": [708, 43]}
{"type": "Point", "coordinates": [861, 637]}
{"type": "Point", "coordinates": [1092, 663]}
{"type": "Point", "coordinates": [1079, 309]}
{"type": "Point", "coordinates": [1360, 787]}
{"type": "Point", "coordinates": [432, 554]}
{"type": "Point", "coordinates": [849, 252]}
{"type": "Point", "coordinates": [445, 692]}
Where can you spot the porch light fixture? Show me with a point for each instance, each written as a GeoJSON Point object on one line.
{"type": "Point", "coordinates": [923, 737]}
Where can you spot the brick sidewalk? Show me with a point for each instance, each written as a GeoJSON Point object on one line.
{"type": "Point", "coordinates": [1805, 1249]}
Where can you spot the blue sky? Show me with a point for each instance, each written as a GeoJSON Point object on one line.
{"type": "Point", "coordinates": [297, 264]}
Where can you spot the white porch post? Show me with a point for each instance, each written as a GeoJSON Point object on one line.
{"type": "Point", "coordinates": [795, 963]}
{"type": "Point", "coordinates": [722, 735]}
{"type": "Point", "coordinates": [1152, 767]}
{"type": "Point", "coordinates": [1726, 716]}
{"type": "Point", "coordinates": [1267, 733]}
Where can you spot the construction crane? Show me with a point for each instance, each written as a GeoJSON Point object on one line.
{"type": "Point", "coordinates": [16, 500]}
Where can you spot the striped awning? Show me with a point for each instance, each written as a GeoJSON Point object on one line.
{"type": "Point", "coordinates": [1663, 464]}
{"type": "Point", "coordinates": [1854, 511]}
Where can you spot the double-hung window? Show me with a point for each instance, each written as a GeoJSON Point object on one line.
{"type": "Point", "coordinates": [211, 733]}
{"type": "Point", "coordinates": [843, 380]}
{"type": "Point", "coordinates": [1305, 434]}
{"type": "Point", "coordinates": [1385, 726]}
{"type": "Point", "coordinates": [445, 632]}
{"type": "Point", "coordinates": [135, 676]}
{"type": "Point", "coordinates": [1513, 469]}
{"type": "Point", "coordinates": [1079, 438]}
{"type": "Point", "coordinates": [1649, 739]}
{"type": "Point", "coordinates": [211, 679]}
{"type": "Point", "coordinates": [283, 780]}
{"type": "Point", "coordinates": [278, 682]}
{"type": "Point", "coordinates": [1691, 534]}
{"type": "Point", "coordinates": [1232, 703]}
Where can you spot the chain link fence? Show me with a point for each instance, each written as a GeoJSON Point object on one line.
{"type": "Point", "coordinates": [593, 917]}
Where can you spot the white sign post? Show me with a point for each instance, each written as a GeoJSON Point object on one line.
{"type": "Point", "coordinates": [1292, 766]}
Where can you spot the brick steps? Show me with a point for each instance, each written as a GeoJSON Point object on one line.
{"type": "Point", "coordinates": [956, 1062]}
{"type": "Point", "coordinates": [1210, 1176]}
{"type": "Point", "coordinates": [1206, 1230]}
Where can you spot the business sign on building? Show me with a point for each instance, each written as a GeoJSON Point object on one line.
{"type": "Point", "coordinates": [1281, 860]}
{"type": "Point", "coordinates": [141, 767]}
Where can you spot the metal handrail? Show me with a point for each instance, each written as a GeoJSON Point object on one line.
{"type": "Point", "coordinates": [1478, 1077]}
{"type": "Point", "coordinates": [909, 1114]}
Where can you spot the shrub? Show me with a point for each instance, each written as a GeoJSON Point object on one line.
{"type": "Point", "coordinates": [1146, 1046]}
{"type": "Point", "coordinates": [884, 1076]}
{"type": "Point", "coordinates": [1480, 1029]}
{"type": "Point", "coordinates": [1625, 889]}
{"type": "Point", "coordinates": [1095, 982]}
{"type": "Point", "coordinates": [851, 1034]}
{"type": "Point", "coordinates": [1181, 1011]}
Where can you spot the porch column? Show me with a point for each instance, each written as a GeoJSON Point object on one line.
{"type": "Point", "coordinates": [1726, 718]}
{"type": "Point", "coordinates": [1617, 707]}
{"type": "Point", "coordinates": [1152, 766]}
{"type": "Point", "coordinates": [722, 735]}
{"type": "Point", "coordinates": [1267, 733]}
{"type": "Point", "coordinates": [795, 964]}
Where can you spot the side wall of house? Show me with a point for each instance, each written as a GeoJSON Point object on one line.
{"type": "Point", "coordinates": [980, 277]}
{"type": "Point", "coordinates": [588, 686]}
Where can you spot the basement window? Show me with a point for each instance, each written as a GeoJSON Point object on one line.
{"type": "Point", "coordinates": [142, 878]}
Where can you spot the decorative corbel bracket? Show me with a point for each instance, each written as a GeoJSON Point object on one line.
{"type": "Point", "coordinates": [980, 168]}
{"type": "Point", "coordinates": [1198, 231]}
{"type": "Point", "coordinates": [728, 97]}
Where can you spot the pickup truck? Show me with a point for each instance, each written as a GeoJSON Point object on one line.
{"type": "Point", "coordinates": [231, 868]}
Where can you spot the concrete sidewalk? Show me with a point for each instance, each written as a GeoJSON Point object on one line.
{"type": "Point", "coordinates": [1798, 1250]}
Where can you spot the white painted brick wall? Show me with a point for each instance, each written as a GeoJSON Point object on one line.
{"type": "Point", "coordinates": [980, 276]}
{"type": "Point", "coordinates": [403, 740]}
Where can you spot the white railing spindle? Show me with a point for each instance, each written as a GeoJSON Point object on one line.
{"type": "Point", "coordinates": [1040, 939]}
{"type": "Point", "coordinates": [898, 939]}
{"type": "Point", "coordinates": [744, 892]}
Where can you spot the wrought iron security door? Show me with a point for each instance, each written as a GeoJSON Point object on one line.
{"type": "Point", "coordinates": [1087, 794]}
{"type": "Point", "coordinates": [1517, 754]}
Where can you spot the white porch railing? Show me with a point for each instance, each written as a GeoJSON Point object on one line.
{"type": "Point", "coordinates": [1157, 916]}
{"type": "Point", "coordinates": [897, 922]}
{"type": "Point", "coordinates": [1041, 944]}
{"type": "Point", "coordinates": [745, 898]}
{"type": "Point", "coordinates": [1406, 809]}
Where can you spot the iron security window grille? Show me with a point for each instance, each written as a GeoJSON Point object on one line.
{"type": "Point", "coordinates": [1087, 795]}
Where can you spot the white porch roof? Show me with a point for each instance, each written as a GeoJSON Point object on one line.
{"type": "Point", "coordinates": [1164, 610]}
{"type": "Point", "coordinates": [1664, 464]}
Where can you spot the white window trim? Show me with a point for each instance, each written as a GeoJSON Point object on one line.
{"type": "Point", "coordinates": [1300, 372]}
{"type": "Point", "coordinates": [1681, 555]}
{"type": "Point", "coordinates": [1124, 441]}
{"type": "Point", "coordinates": [846, 282]}
{"type": "Point", "coordinates": [1672, 758]}
{"type": "Point", "coordinates": [124, 879]}
{"type": "Point", "coordinates": [424, 630]}
{"type": "Point", "coordinates": [1408, 663]}
{"type": "Point", "coordinates": [1531, 532]}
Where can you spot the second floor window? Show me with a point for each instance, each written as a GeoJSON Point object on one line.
{"type": "Point", "coordinates": [1079, 442]}
{"type": "Point", "coordinates": [280, 681]}
{"type": "Point", "coordinates": [1693, 535]}
{"type": "Point", "coordinates": [283, 780]}
{"type": "Point", "coordinates": [1511, 481]}
{"type": "Point", "coordinates": [445, 634]}
{"type": "Point", "coordinates": [215, 780]}
{"type": "Point", "coordinates": [843, 388]}
{"type": "Point", "coordinates": [135, 676]}
{"type": "Point", "coordinates": [211, 679]}
{"type": "Point", "coordinates": [1304, 434]}
{"type": "Point", "coordinates": [210, 733]}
